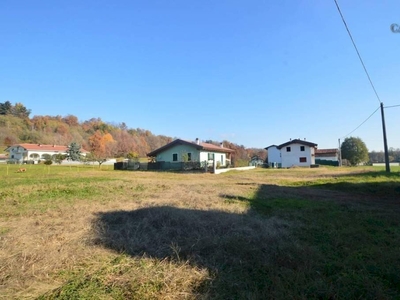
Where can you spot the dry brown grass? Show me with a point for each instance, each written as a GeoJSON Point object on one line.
{"type": "Point", "coordinates": [142, 234]}
{"type": "Point", "coordinates": [39, 244]}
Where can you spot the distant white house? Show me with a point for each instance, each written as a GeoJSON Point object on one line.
{"type": "Point", "coordinates": [23, 152]}
{"type": "Point", "coordinates": [3, 158]}
{"type": "Point", "coordinates": [292, 153]}
{"type": "Point", "coordinates": [179, 151]}
{"type": "Point", "coordinates": [256, 161]}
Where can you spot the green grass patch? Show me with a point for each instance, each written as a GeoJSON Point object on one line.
{"type": "Point", "coordinates": [344, 252]}
{"type": "Point", "coordinates": [4, 230]}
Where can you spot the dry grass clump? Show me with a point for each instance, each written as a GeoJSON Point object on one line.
{"type": "Point", "coordinates": [123, 277]}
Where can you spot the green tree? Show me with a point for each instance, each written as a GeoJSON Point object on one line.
{"type": "Point", "coordinates": [58, 158]}
{"type": "Point", "coordinates": [19, 110]}
{"type": "Point", "coordinates": [5, 108]}
{"type": "Point", "coordinates": [74, 152]}
{"type": "Point", "coordinates": [354, 150]}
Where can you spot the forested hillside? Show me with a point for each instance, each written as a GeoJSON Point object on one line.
{"type": "Point", "coordinates": [16, 126]}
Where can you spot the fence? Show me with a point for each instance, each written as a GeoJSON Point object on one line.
{"type": "Point", "coordinates": [160, 165]}
{"type": "Point", "coordinates": [324, 162]}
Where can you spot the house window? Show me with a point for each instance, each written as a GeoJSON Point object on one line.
{"type": "Point", "coordinates": [189, 156]}
{"type": "Point", "coordinates": [222, 159]}
{"type": "Point", "coordinates": [12, 156]}
{"type": "Point", "coordinates": [288, 149]}
{"type": "Point", "coordinates": [302, 148]}
{"type": "Point", "coordinates": [175, 157]}
{"type": "Point", "coordinates": [303, 159]}
{"type": "Point", "coordinates": [210, 156]}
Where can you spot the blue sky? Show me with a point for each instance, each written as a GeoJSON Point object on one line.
{"type": "Point", "coordinates": [253, 72]}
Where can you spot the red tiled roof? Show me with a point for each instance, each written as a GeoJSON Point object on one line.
{"type": "Point", "coordinates": [326, 151]}
{"type": "Point", "coordinates": [212, 147]}
{"type": "Point", "coordinates": [41, 147]}
{"type": "Point", "coordinates": [200, 146]}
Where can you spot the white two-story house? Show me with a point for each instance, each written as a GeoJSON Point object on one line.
{"type": "Point", "coordinates": [292, 153]}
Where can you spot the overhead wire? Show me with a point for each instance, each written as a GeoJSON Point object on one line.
{"type": "Point", "coordinates": [358, 53]}
{"type": "Point", "coordinates": [362, 122]}
{"type": "Point", "coordinates": [391, 106]}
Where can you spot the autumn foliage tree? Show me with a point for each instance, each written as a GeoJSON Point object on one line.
{"type": "Point", "coordinates": [101, 146]}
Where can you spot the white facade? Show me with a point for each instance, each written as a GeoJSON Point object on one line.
{"type": "Point", "coordinates": [274, 155]}
{"type": "Point", "coordinates": [295, 154]}
{"type": "Point", "coordinates": [35, 152]}
{"type": "Point", "coordinates": [20, 154]}
{"type": "Point", "coordinates": [219, 157]}
{"type": "Point", "coordinates": [331, 158]}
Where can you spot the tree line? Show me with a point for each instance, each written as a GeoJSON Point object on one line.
{"type": "Point", "coordinates": [102, 139]}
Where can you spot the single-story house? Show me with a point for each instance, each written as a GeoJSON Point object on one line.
{"type": "Point", "coordinates": [327, 157]}
{"type": "Point", "coordinates": [327, 154]}
{"type": "Point", "coordinates": [35, 152]}
{"type": "Point", "coordinates": [292, 153]}
{"type": "Point", "coordinates": [179, 151]}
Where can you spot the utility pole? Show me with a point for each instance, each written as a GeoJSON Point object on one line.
{"type": "Point", "coordinates": [340, 155]}
{"type": "Point", "coordinates": [385, 141]}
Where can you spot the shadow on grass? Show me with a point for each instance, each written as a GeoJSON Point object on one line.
{"type": "Point", "coordinates": [377, 186]}
{"type": "Point", "coordinates": [294, 242]}
{"type": "Point", "coordinates": [239, 250]}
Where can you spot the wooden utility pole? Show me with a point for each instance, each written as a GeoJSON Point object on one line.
{"type": "Point", "coordinates": [385, 140]}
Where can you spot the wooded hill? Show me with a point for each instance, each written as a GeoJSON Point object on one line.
{"type": "Point", "coordinates": [116, 140]}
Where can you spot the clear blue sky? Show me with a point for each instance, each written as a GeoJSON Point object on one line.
{"type": "Point", "coordinates": [253, 72]}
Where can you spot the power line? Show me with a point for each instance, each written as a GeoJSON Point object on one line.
{"type": "Point", "coordinates": [358, 53]}
{"type": "Point", "coordinates": [363, 122]}
{"type": "Point", "coordinates": [392, 106]}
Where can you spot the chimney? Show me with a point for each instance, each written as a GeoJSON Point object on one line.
{"type": "Point", "coordinates": [304, 138]}
{"type": "Point", "coordinates": [221, 145]}
{"type": "Point", "coordinates": [197, 141]}
{"type": "Point", "coordinates": [290, 139]}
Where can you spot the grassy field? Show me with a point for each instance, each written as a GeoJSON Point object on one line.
{"type": "Point", "coordinates": [94, 233]}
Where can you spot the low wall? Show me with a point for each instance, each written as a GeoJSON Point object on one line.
{"type": "Point", "coordinates": [392, 164]}
{"type": "Point", "coordinates": [219, 171]}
